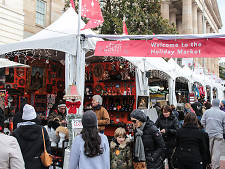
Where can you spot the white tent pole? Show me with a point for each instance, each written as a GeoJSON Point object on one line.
{"type": "Point", "coordinates": [79, 61]}
{"type": "Point", "coordinates": [79, 19]}
{"type": "Point", "coordinates": [78, 44]}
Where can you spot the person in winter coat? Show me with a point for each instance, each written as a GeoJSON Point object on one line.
{"type": "Point", "coordinates": [101, 113]}
{"type": "Point", "coordinates": [207, 105]}
{"type": "Point", "coordinates": [148, 141]}
{"type": "Point", "coordinates": [30, 139]}
{"type": "Point", "coordinates": [174, 111]}
{"type": "Point", "coordinates": [222, 105]}
{"type": "Point", "coordinates": [59, 114]}
{"type": "Point", "coordinates": [213, 120]}
{"type": "Point", "coordinates": [197, 107]}
{"type": "Point", "coordinates": [10, 153]}
{"type": "Point", "coordinates": [158, 108]}
{"type": "Point", "coordinates": [168, 125]}
{"type": "Point", "coordinates": [120, 154]}
{"type": "Point", "coordinates": [191, 144]}
{"type": "Point", "coordinates": [90, 149]}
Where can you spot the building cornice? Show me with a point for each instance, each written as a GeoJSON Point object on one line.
{"type": "Point", "coordinates": [213, 9]}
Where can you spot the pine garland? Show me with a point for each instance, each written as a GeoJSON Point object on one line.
{"type": "Point", "coordinates": [70, 118]}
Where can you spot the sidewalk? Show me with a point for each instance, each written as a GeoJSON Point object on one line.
{"type": "Point", "coordinates": [222, 162]}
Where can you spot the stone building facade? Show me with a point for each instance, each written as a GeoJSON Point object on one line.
{"type": "Point", "coordinates": [20, 19]}
{"type": "Point", "coordinates": [194, 17]}
{"type": "Point", "coordinates": [40, 13]}
{"type": "Point", "coordinates": [11, 21]}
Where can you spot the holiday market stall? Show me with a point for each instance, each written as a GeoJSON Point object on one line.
{"type": "Point", "coordinates": [182, 82]}
{"type": "Point", "coordinates": [175, 46]}
{"type": "Point", "coordinates": [54, 60]}
{"type": "Point", "coordinates": [113, 79]}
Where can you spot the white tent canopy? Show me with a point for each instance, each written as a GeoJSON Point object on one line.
{"type": "Point", "coordinates": [61, 35]}
{"type": "Point", "coordinates": [177, 70]}
{"type": "Point", "coordinates": [150, 63]}
{"type": "Point", "coordinates": [7, 63]}
{"type": "Point", "coordinates": [159, 36]}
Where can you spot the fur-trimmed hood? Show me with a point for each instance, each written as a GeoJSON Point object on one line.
{"type": "Point", "coordinates": [114, 143]}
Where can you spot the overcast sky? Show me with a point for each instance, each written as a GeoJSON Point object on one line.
{"type": "Point", "coordinates": [221, 4]}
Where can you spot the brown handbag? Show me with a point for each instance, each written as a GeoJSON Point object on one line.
{"type": "Point", "coordinates": [139, 165]}
{"type": "Point", "coordinates": [46, 158]}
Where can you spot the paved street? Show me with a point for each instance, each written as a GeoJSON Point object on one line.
{"type": "Point", "coordinates": [223, 158]}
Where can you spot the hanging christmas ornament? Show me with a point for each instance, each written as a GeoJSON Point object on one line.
{"type": "Point", "coordinates": [73, 99]}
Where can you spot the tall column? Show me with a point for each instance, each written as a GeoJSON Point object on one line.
{"type": "Point", "coordinates": [165, 9]}
{"type": "Point", "coordinates": [179, 25]}
{"type": "Point", "coordinates": [204, 25]}
{"type": "Point", "coordinates": [200, 23]}
{"type": "Point", "coordinates": [195, 17]}
{"type": "Point", "coordinates": [173, 16]}
{"type": "Point", "coordinates": [207, 28]}
{"type": "Point", "coordinates": [187, 17]}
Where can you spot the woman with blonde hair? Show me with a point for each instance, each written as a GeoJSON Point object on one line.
{"type": "Point", "coordinates": [188, 108]}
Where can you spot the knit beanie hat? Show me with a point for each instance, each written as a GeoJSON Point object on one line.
{"type": "Point", "coordinates": [223, 101]}
{"type": "Point", "coordinates": [2, 118]}
{"type": "Point", "coordinates": [61, 104]}
{"type": "Point", "coordinates": [139, 115]}
{"type": "Point", "coordinates": [28, 113]}
{"type": "Point", "coordinates": [89, 119]}
{"type": "Point", "coordinates": [215, 102]}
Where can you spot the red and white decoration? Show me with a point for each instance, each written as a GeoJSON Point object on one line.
{"type": "Point", "coordinates": [91, 9]}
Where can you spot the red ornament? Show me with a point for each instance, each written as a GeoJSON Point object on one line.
{"type": "Point", "coordinates": [6, 99]}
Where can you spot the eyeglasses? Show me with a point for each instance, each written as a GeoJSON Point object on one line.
{"type": "Point", "coordinates": [134, 121]}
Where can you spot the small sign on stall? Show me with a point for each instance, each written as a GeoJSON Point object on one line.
{"type": "Point", "coordinates": [77, 124]}
{"type": "Point", "coordinates": [76, 127]}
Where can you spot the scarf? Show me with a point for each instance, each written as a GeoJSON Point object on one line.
{"type": "Point", "coordinates": [98, 107]}
{"type": "Point", "coordinates": [25, 123]}
{"type": "Point", "coordinates": [139, 151]}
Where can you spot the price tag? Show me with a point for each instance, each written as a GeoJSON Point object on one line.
{"type": "Point", "coordinates": [77, 124]}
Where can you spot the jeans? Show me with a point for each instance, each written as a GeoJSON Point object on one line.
{"type": "Point", "coordinates": [215, 145]}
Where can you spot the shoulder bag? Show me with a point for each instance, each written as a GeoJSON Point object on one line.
{"type": "Point", "coordinates": [139, 165]}
{"type": "Point", "coordinates": [46, 158]}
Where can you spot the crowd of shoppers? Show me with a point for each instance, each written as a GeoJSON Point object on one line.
{"type": "Point", "coordinates": [196, 144]}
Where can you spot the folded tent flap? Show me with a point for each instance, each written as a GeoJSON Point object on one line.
{"type": "Point", "coordinates": [7, 63]}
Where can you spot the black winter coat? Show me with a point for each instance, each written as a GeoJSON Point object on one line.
{"type": "Point", "coordinates": [154, 146]}
{"type": "Point", "coordinates": [192, 146]}
{"type": "Point", "coordinates": [31, 144]}
{"type": "Point", "coordinates": [197, 107]}
{"type": "Point", "coordinates": [170, 124]}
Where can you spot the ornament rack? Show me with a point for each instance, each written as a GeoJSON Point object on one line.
{"type": "Point", "coordinates": [22, 84]}
{"type": "Point", "coordinates": [115, 82]}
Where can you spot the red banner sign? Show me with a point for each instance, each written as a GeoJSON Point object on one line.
{"type": "Point", "coordinates": [182, 48]}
